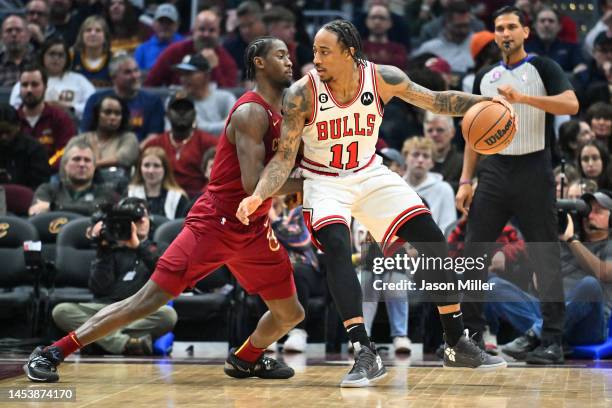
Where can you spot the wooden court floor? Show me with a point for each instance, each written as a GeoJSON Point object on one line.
{"type": "Point", "coordinates": [168, 383]}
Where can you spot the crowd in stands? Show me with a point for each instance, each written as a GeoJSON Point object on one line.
{"type": "Point", "coordinates": [109, 99]}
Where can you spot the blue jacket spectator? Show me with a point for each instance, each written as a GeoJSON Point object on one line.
{"type": "Point", "coordinates": [165, 24]}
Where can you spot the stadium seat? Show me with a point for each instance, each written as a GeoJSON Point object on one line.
{"type": "Point", "coordinates": [18, 199]}
{"type": "Point", "coordinates": [166, 232]}
{"type": "Point", "coordinates": [17, 299]}
{"type": "Point", "coordinates": [595, 351]}
{"type": "Point", "coordinates": [156, 221]}
{"type": "Point", "coordinates": [49, 225]}
{"type": "Point", "coordinates": [72, 264]}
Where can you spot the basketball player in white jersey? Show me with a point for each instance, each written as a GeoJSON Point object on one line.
{"type": "Point", "coordinates": [336, 109]}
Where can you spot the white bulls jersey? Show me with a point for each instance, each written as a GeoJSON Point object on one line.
{"type": "Point", "coordinates": [341, 138]}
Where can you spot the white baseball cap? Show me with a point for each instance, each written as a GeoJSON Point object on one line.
{"type": "Point", "coordinates": [168, 11]}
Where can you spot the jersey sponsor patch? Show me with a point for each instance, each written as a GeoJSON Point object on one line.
{"type": "Point", "coordinates": [367, 98]}
{"type": "Point", "coordinates": [323, 98]}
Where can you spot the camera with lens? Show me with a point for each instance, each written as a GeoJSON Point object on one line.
{"type": "Point", "coordinates": [117, 219]}
{"type": "Point", "coordinates": [575, 208]}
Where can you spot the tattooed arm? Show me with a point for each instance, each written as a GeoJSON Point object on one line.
{"type": "Point", "coordinates": [392, 81]}
{"type": "Point", "coordinates": [297, 105]}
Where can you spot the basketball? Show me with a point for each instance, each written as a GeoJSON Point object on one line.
{"type": "Point", "coordinates": [488, 127]}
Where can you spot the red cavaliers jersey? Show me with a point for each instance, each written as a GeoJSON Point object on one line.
{"type": "Point", "coordinates": [225, 191]}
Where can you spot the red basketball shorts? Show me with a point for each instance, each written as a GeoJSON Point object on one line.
{"type": "Point", "coordinates": [258, 261]}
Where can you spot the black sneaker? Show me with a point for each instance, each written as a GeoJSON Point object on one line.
{"type": "Point", "coordinates": [42, 364]}
{"type": "Point", "coordinates": [519, 347]}
{"type": "Point", "coordinates": [467, 354]}
{"type": "Point", "coordinates": [367, 370]}
{"type": "Point", "coordinates": [265, 367]}
{"type": "Point", "coordinates": [551, 354]}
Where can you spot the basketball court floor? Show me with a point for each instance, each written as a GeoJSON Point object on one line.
{"type": "Point", "coordinates": [195, 379]}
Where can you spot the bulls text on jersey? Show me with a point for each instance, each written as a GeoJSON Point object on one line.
{"type": "Point", "coordinates": [353, 125]}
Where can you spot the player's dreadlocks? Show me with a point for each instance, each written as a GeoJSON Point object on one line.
{"type": "Point", "coordinates": [348, 36]}
{"type": "Point", "coordinates": [257, 48]}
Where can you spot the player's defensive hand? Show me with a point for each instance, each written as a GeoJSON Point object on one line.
{"type": "Point", "coordinates": [463, 199]}
{"type": "Point", "coordinates": [247, 207]}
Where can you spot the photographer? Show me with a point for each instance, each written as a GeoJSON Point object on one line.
{"type": "Point", "coordinates": [120, 269]}
{"type": "Point", "coordinates": [586, 267]}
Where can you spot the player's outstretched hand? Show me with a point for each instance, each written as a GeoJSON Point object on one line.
{"type": "Point", "coordinates": [247, 207]}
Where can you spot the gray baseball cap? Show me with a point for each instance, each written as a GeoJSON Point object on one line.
{"type": "Point", "coordinates": [602, 197]}
{"type": "Point", "coordinates": [392, 154]}
{"type": "Point", "coordinates": [168, 11]}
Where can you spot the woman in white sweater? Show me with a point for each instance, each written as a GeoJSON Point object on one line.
{"type": "Point", "coordinates": [65, 88]}
{"type": "Point", "coordinates": [154, 181]}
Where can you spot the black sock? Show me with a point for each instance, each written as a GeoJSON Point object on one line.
{"type": "Point", "coordinates": [452, 323]}
{"type": "Point", "coordinates": [357, 333]}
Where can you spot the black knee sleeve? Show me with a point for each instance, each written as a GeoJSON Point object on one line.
{"type": "Point", "coordinates": [341, 277]}
{"type": "Point", "coordinates": [424, 234]}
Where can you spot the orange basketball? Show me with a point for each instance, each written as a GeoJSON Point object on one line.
{"type": "Point", "coordinates": [488, 127]}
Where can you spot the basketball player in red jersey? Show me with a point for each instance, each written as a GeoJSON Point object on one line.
{"type": "Point", "coordinates": [336, 110]}
{"type": "Point", "coordinates": [212, 236]}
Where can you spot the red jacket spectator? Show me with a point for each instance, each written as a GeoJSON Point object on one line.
{"type": "Point", "coordinates": [53, 130]}
{"type": "Point", "coordinates": [186, 158]}
{"type": "Point", "coordinates": [225, 74]}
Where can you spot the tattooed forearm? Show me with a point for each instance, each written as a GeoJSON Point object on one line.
{"type": "Point", "coordinates": [455, 103]}
{"type": "Point", "coordinates": [296, 108]}
{"type": "Point", "coordinates": [396, 83]}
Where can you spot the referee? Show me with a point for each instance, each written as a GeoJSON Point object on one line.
{"type": "Point", "coordinates": [518, 182]}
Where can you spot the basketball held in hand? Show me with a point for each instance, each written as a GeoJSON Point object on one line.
{"type": "Point", "coordinates": [488, 127]}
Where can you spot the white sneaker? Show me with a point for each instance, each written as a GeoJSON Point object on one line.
{"type": "Point", "coordinates": [296, 342]}
{"type": "Point", "coordinates": [271, 348]}
{"type": "Point", "coordinates": [402, 345]}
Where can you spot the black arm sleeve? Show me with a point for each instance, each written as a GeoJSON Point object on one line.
{"type": "Point", "coordinates": [102, 272]}
{"type": "Point", "coordinates": [555, 80]}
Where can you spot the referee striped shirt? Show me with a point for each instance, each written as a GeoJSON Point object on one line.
{"type": "Point", "coordinates": [533, 76]}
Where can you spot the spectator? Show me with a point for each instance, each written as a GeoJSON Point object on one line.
{"type": "Point", "coordinates": [572, 134]}
{"type": "Point", "coordinates": [66, 89]}
{"type": "Point", "coordinates": [212, 105]}
{"type": "Point", "coordinates": [377, 46]}
{"type": "Point", "coordinates": [184, 145]}
{"type": "Point", "coordinates": [546, 42]}
{"type": "Point", "coordinates": [126, 31]}
{"type": "Point", "coordinates": [448, 161]}
{"type": "Point", "coordinates": [67, 17]}
{"type": "Point", "coordinates": [453, 43]}
{"type": "Point", "coordinates": [23, 160]}
{"type": "Point", "coordinates": [433, 28]}
{"type": "Point", "coordinates": [280, 23]}
{"type": "Point", "coordinates": [119, 270]}
{"type": "Point", "coordinates": [399, 31]}
{"type": "Point", "coordinates": [37, 16]}
{"type": "Point", "coordinates": [16, 52]}
{"type": "Point", "coordinates": [165, 26]}
{"type": "Point", "coordinates": [604, 24]}
{"type": "Point", "coordinates": [205, 41]}
{"type": "Point", "coordinates": [593, 162]}
{"type": "Point", "coordinates": [91, 53]}
{"type": "Point", "coordinates": [569, 176]}
{"type": "Point", "coordinates": [154, 182]}
{"type": "Point", "coordinates": [599, 117]}
{"type": "Point", "coordinates": [48, 124]}
{"type": "Point", "coordinates": [485, 52]}
{"type": "Point", "coordinates": [291, 232]}
{"type": "Point", "coordinates": [75, 190]}
{"type": "Point", "coordinates": [146, 110]}
{"type": "Point", "coordinates": [598, 70]}
{"type": "Point", "coordinates": [438, 194]}
{"type": "Point", "coordinates": [393, 160]}
{"type": "Point", "coordinates": [585, 267]}
{"type": "Point", "coordinates": [250, 26]}
{"type": "Point", "coordinates": [114, 145]}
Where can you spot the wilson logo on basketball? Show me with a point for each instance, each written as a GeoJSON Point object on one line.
{"type": "Point", "coordinates": [497, 136]}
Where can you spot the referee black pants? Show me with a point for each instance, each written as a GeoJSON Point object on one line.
{"type": "Point", "coordinates": [522, 187]}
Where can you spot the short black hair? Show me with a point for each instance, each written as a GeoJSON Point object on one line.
{"type": "Point", "coordinates": [349, 37]}
{"type": "Point", "coordinates": [124, 126]}
{"type": "Point", "coordinates": [456, 7]}
{"type": "Point", "coordinates": [278, 14]}
{"type": "Point", "coordinates": [598, 110]}
{"type": "Point", "coordinates": [257, 48]}
{"type": "Point", "coordinates": [247, 8]}
{"type": "Point", "coordinates": [33, 67]}
{"type": "Point", "coordinates": [8, 114]}
{"type": "Point", "coordinates": [510, 10]}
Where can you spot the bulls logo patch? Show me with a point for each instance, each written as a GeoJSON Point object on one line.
{"type": "Point", "coordinates": [323, 98]}
{"type": "Point", "coordinates": [367, 98]}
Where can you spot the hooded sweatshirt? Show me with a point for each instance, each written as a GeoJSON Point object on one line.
{"type": "Point", "coordinates": [439, 197]}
